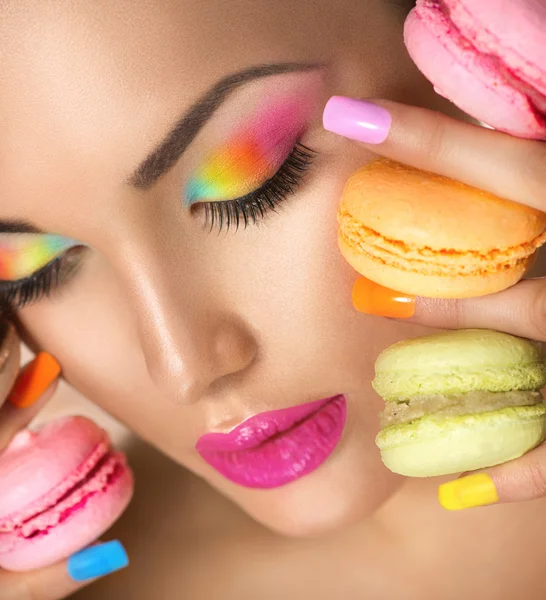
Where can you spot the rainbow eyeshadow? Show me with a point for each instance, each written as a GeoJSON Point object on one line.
{"type": "Point", "coordinates": [248, 159]}
{"type": "Point", "coordinates": [21, 255]}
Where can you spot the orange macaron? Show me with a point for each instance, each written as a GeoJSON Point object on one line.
{"type": "Point", "coordinates": [428, 235]}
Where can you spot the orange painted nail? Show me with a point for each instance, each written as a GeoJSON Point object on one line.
{"type": "Point", "coordinates": [33, 380]}
{"type": "Point", "coordinates": [374, 299]}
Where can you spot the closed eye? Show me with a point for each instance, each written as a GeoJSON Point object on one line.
{"type": "Point", "coordinates": [253, 207]}
{"type": "Point", "coordinates": [15, 295]}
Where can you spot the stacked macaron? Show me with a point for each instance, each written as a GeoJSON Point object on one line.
{"type": "Point", "coordinates": [469, 399]}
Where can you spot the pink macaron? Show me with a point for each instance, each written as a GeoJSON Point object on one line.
{"type": "Point", "coordinates": [487, 56]}
{"type": "Point", "coordinates": [60, 488]}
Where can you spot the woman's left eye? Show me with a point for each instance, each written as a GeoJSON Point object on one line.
{"type": "Point", "coordinates": [15, 295]}
{"type": "Point", "coordinates": [252, 207]}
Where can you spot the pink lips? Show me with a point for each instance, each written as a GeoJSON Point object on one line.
{"type": "Point", "coordinates": [274, 448]}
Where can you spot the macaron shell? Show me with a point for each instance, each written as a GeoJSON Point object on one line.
{"type": "Point", "coordinates": [441, 446]}
{"type": "Point", "coordinates": [457, 362]}
{"type": "Point", "coordinates": [472, 349]}
{"type": "Point", "coordinates": [35, 462]}
{"type": "Point", "coordinates": [514, 31]}
{"type": "Point", "coordinates": [420, 208]}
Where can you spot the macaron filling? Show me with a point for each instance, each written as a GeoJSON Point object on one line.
{"type": "Point", "coordinates": [474, 402]}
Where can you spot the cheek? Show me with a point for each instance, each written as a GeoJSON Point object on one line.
{"type": "Point", "coordinates": [86, 329]}
{"type": "Point", "coordinates": [94, 338]}
{"type": "Point", "coordinates": [89, 329]}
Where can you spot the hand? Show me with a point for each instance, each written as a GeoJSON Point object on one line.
{"type": "Point", "coordinates": [509, 167]}
{"type": "Point", "coordinates": [22, 395]}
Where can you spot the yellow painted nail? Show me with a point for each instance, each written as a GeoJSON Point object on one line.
{"type": "Point", "coordinates": [468, 492]}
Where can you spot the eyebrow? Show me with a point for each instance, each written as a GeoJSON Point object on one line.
{"type": "Point", "coordinates": [18, 227]}
{"type": "Point", "coordinates": [167, 153]}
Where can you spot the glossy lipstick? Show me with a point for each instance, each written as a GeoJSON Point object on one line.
{"type": "Point", "coordinates": [274, 448]}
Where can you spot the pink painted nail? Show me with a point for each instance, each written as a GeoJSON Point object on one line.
{"type": "Point", "coordinates": [357, 119]}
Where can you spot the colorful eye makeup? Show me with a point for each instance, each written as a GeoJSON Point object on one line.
{"type": "Point", "coordinates": [249, 158]}
{"type": "Point", "coordinates": [21, 255]}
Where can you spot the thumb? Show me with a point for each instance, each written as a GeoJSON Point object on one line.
{"type": "Point", "coordinates": [63, 579]}
{"type": "Point", "coordinates": [515, 481]}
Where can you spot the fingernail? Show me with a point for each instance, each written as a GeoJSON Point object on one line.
{"type": "Point", "coordinates": [357, 119]}
{"type": "Point", "coordinates": [468, 492]}
{"type": "Point", "coordinates": [33, 380]}
{"type": "Point", "coordinates": [98, 561]}
{"type": "Point", "coordinates": [374, 299]}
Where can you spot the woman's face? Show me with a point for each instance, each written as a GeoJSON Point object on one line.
{"type": "Point", "coordinates": [141, 133]}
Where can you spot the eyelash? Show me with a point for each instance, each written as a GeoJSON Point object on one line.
{"type": "Point", "coordinates": [253, 207]}
{"type": "Point", "coordinates": [15, 295]}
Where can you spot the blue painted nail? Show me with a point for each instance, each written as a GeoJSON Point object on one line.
{"type": "Point", "coordinates": [97, 561]}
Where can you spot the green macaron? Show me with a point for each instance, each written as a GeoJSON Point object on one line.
{"type": "Point", "coordinates": [458, 401]}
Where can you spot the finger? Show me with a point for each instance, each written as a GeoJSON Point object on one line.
{"type": "Point", "coordinates": [10, 359]}
{"type": "Point", "coordinates": [514, 481]}
{"type": "Point", "coordinates": [33, 387]}
{"type": "Point", "coordinates": [509, 167]}
{"type": "Point", "coordinates": [63, 579]}
{"type": "Point", "coordinates": [519, 310]}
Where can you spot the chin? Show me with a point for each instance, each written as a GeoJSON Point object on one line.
{"type": "Point", "coordinates": [339, 494]}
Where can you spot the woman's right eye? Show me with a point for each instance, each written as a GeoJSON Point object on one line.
{"type": "Point", "coordinates": [14, 295]}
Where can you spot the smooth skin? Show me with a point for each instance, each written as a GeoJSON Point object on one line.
{"type": "Point", "coordinates": [176, 332]}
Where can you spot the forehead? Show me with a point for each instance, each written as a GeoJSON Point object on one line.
{"type": "Point", "coordinates": [82, 82]}
{"type": "Point", "coordinates": [88, 56]}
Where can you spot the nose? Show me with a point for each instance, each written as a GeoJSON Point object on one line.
{"type": "Point", "coordinates": [193, 348]}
